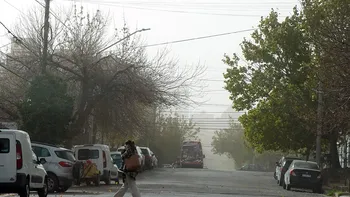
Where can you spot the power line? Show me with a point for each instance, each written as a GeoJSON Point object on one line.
{"type": "Point", "coordinates": [200, 112]}
{"type": "Point", "coordinates": [53, 14]}
{"type": "Point", "coordinates": [199, 38]}
{"type": "Point", "coordinates": [5, 45]}
{"type": "Point", "coordinates": [168, 10]}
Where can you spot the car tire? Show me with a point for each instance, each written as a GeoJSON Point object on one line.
{"type": "Point", "coordinates": [281, 182]}
{"type": "Point", "coordinates": [63, 189]}
{"type": "Point", "coordinates": [108, 179]}
{"type": "Point", "coordinates": [317, 190]}
{"type": "Point", "coordinates": [43, 191]}
{"type": "Point", "coordinates": [288, 187]}
{"type": "Point", "coordinates": [97, 181]}
{"type": "Point", "coordinates": [52, 183]}
{"type": "Point", "coordinates": [25, 191]}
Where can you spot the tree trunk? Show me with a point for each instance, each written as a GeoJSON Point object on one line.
{"type": "Point", "coordinates": [335, 164]}
{"type": "Point", "coordinates": [94, 130]}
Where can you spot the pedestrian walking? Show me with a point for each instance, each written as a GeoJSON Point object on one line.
{"type": "Point", "coordinates": [131, 165]}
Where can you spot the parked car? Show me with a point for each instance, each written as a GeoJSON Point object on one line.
{"type": "Point", "coordinates": [139, 152]}
{"type": "Point", "coordinates": [117, 158]}
{"type": "Point", "coordinates": [59, 165]}
{"type": "Point", "coordinates": [281, 167]}
{"type": "Point", "coordinates": [303, 174]}
{"type": "Point", "coordinates": [148, 157]}
{"type": "Point", "coordinates": [20, 169]}
{"type": "Point", "coordinates": [101, 156]}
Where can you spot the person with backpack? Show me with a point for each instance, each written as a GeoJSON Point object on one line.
{"type": "Point", "coordinates": [131, 166]}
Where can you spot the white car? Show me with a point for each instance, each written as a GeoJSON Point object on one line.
{"type": "Point", "coordinates": [20, 169]}
{"type": "Point", "coordinates": [59, 165]}
{"type": "Point", "coordinates": [101, 156]}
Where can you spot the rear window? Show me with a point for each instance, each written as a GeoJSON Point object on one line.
{"type": "Point", "coordinates": [306, 165]}
{"type": "Point", "coordinates": [67, 155]}
{"type": "Point", "coordinates": [144, 151]}
{"type": "Point", "coordinates": [85, 154]}
{"type": "Point", "coordinates": [4, 145]}
{"type": "Point", "coordinates": [116, 156]}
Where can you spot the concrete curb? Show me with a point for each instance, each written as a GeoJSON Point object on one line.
{"type": "Point", "coordinates": [342, 195]}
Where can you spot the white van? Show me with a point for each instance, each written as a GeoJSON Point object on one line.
{"type": "Point", "coordinates": [101, 156]}
{"type": "Point", "coordinates": [20, 169]}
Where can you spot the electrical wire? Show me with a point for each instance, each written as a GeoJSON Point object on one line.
{"type": "Point", "coordinates": [121, 5]}
{"type": "Point", "coordinates": [198, 38]}
{"type": "Point", "coordinates": [53, 14]}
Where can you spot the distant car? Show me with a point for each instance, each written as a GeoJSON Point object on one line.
{"type": "Point", "coordinates": [303, 174]}
{"type": "Point", "coordinates": [117, 158]}
{"type": "Point", "coordinates": [59, 165]}
{"type": "Point", "coordinates": [281, 167]}
{"type": "Point", "coordinates": [148, 157]}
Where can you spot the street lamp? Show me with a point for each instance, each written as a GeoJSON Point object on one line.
{"type": "Point", "coordinates": [128, 36]}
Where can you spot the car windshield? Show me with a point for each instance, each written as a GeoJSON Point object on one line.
{"type": "Point", "coordinates": [85, 154]}
{"type": "Point", "coordinates": [65, 154]}
{"type": "Point", "coordinates": [116, 157]}
{"type": "Point", "coordinates": [306, 165]}
{"type": "Point", "coordinates": [144, 151]}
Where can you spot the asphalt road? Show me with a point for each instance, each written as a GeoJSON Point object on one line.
{"type": "Point", "coordinates": [194, 183]}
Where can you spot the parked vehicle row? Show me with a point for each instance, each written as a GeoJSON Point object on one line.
{"type": "Point", "coordinates": [36, 166]}
{"type": "Point", "coordinates": [292, 172]}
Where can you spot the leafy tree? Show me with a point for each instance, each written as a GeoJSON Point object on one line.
{"type": "Point", "coordinates": [328, 23]}
{"type": "Point", "coordinates": [279, 80]}
{"type": "Point", "coordinates": [47, 109]}
{"type": "Point", "coordinates": [232, 143]}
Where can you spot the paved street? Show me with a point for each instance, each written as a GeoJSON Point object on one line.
{"type": "Point", "coordinates": [195, 183]}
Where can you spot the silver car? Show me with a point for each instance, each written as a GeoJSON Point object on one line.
{"type": "Point", "coordinates": [59, 165]}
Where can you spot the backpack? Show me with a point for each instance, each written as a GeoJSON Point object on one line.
{"type": "Point", "coordinates": [133, 163]}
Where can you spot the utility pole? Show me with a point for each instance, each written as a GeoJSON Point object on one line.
{"type": "Point", "coordinates": [46, 36]}
{"type": "Point", "coordinates": [319, 123]}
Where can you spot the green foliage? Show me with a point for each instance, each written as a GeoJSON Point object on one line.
{"type": "Point", "coordinates": [168, 136]}
{"type": "Point", "coordinates": [47, 109]}
{"type": "Point", "coordinates": [276, 85]}
{"type": "Point", "coordinates": [232, 143]}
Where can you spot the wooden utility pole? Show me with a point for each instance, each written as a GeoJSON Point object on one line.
{"type": "Point", "coordinates": [319, 123]}
{"type": "Point", "coordinates": [46, 36]}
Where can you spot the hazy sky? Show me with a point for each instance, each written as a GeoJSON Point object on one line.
{"type": "Point", "coordinates": [175, 20]}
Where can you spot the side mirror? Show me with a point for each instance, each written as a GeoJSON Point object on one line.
{"type": "Point", "coordinates": [42, 161]}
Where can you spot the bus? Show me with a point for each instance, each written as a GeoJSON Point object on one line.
{"type": "Point", "coordinates": [191, 155]}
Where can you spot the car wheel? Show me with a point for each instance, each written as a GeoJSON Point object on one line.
{"type": "Point", "coordinates": [280, 183]}
{"type": "Point", "coordinates": [52, 183]}
{"type": "Point", "coordinates": [108, 179]}
{"type": "Point", "coordinates": [25, 191]}
{"type": "Point", "coordinates": [288, 187]}
{"type": "Point", "coordinates": [63, 189]}
{"type": "Point", "coordinates": [317, 190]}
{"type": "Point", "coordinates": [43, 191]}
{"type": "Point", "coordinates": [97, 181]}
